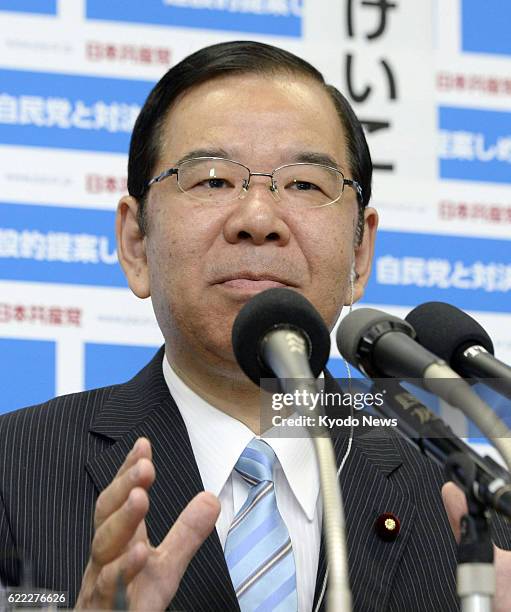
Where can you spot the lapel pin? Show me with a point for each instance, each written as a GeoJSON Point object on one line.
{"type": "Point", "coordinates": [387, 526]}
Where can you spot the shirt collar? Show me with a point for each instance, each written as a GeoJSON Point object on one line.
{"type": "Point", "coordinates": [218, 440]}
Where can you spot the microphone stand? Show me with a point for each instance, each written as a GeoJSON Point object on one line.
{"type": "Point", "coordinates": [294, 374]}
{"type": "Point", "coordinates": [338, 596]}
{"type": "Point", "coordinates": [476, 572]}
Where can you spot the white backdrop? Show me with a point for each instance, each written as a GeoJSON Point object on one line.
{"type": "Point", "coordinates": [430, 80]}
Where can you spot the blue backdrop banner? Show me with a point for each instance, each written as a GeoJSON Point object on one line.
{"type": "Point", "coordinates": [54, 244]}
{"type": "Point", "coordinates": [485, 26]}
{"type": "Point", "coordinates": [69, 111]}
{"type": "Point", "coordinates": [278, 18]}
{"type": "Point", "coordinates": [30, 377]}
{"type": "Point", "coordinates": [41, 7]}
{"type": "Point", "coordinates": [475, 145]}
{"type": "Point", "coordinates": [473, 273]}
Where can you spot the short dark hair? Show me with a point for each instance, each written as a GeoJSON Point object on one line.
{"type": "Point", "coordinates": [230, 58]}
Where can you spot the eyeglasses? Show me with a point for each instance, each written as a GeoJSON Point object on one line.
{"type": "Point", "coordinates": [218, 180]}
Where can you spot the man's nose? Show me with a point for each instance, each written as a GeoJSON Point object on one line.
{"type": "Point", "coordinates": [257, 217]}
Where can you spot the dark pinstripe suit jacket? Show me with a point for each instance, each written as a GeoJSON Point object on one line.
{"type": "Point", "coordinates": [57, 457]}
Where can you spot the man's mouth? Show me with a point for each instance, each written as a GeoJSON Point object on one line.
{"type": "Point", "coordinates": [251, 284]}
{"type": "Point", "coordinates": [248, 282]}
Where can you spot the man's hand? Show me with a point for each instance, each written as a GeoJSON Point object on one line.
{"type": "Point", "coordinates": [120, 547]}
{"type": "Point", "coordinates": [456, 506]}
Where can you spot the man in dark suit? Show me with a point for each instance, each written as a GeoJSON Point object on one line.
{"type": "Point", "coordinates": [246, 171]}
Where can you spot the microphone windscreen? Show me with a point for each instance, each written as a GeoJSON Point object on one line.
{"type": "Point", "coordinates": [356, 325]}
{"type": "Point", "coordinates": [447, 331]}
{"type": "Point", "coordinates": [270, 309]}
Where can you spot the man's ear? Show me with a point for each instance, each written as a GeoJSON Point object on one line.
{"type": "Point", "coordinates": [131, 247]}
{"type": "Point", "coordinates": [364, 253]}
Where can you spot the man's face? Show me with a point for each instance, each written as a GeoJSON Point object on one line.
{"type": "Point", "coordinates": [204, 260]}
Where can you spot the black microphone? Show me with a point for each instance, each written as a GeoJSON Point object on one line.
{"type": "Point", "coordinates": [280, 333]}
{"type": "Point", "coordinates": [382, 345]}
{"type": "Point", "coordinates": [489, 481]}
{"type": "Point", "coordinates": [461, 341]}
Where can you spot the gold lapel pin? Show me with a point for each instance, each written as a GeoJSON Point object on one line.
{"type": "Point", "coordinates": [387, 526]}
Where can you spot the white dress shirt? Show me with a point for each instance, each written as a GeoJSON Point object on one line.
{"type": "Point", "coordinates": [218, 440]}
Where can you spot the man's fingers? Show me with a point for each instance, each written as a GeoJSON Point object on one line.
{"type": "Point", "coordinates": [187, 534]}
{"type": "Point", "coordinates": [140, 473]}
{"type": "Point", "coordinates": [456, 506]}
{"type": "Point", "coordinates": [119, 544]}
{"type": "Point", "coordinates": [141, 448]}
{"type": "Point", "coordinates": [103, 589]}
{"type": "Point", "coordinates": [121, 571]}
{"type": "Point", "coordinates": [115, 533]}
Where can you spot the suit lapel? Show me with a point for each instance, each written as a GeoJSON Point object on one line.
{"type": "Point", "coordinates": [144, 407]}
{"type": "Point", "coordinates": [368, 492]}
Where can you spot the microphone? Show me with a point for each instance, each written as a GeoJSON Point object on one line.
{"type": "Point", "coordinates": [382, 346]}
{"type": "Point", "coordinates": [489, 482]}
{"type": "Point", "coordinates": [280, 333]}
{"type": "Point", "coordinates": [461, 341]}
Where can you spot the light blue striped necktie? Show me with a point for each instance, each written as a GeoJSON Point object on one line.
{"type": "Point", "coordinates": [258, 548]}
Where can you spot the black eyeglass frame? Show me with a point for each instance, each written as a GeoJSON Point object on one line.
{"type": "Point", "coordinates": [350, 182]}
